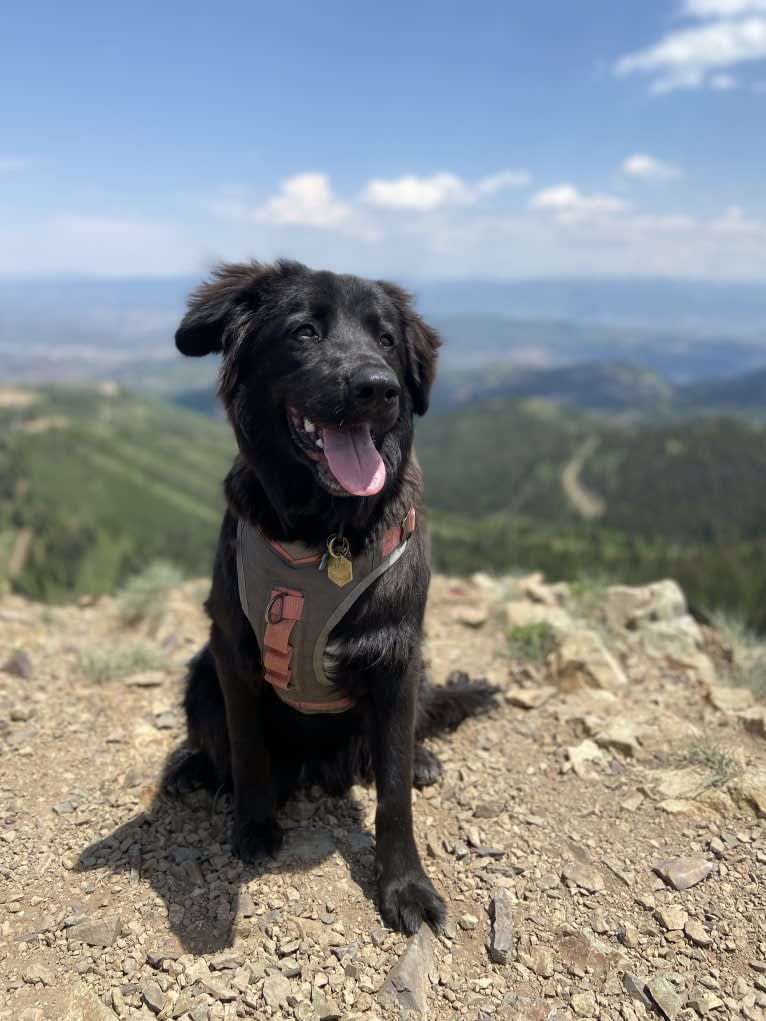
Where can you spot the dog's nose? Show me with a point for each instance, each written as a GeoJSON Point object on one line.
{"type": "Point", "coordinates": [375, 389]}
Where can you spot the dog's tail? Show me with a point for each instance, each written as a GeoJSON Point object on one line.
{"type": "Point", "coordinates": [442, 708]}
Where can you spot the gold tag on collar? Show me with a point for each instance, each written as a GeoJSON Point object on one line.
{"type": "Point", "coordinates": [340, 569]}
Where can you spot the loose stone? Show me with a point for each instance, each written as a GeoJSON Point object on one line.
{"type": "Point", "coordinates": [585, 876]}
{"type": "Point", "coordinates": [501, 939]}
{"type": "Point", "coordinates": [683, 873]}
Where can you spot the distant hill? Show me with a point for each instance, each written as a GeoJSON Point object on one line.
{"type": "Point", "coordinates": [743, 393]}
{"type": "Point", "coordinates": [613, 388]}
{"type": "Point", "coordinates": [54, 330]}
{"type": "Point", "coordinates": [699, 307]}
{"type": "Point", "coordinates": [683, 498]}
{"type": "Point", "coordinates": [100, 482]}
{"type": "Point", "coordinates": [699, 479]}
{"type": "Point", "coordinates": [480, 340]}
{"type": "Point", "coordinates": [95, 482]}
{"type": "Point", "coordinates": [609, 386]}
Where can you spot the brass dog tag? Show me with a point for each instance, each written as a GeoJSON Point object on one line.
{"type": "Point", "coordinates": [340, 570]}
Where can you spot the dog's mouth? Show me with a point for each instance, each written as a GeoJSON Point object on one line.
{"type": "Point", "coordinates": [347, 460]}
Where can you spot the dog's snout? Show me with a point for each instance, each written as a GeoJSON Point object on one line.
{"type": "Point", "coordinates": [375, 388]}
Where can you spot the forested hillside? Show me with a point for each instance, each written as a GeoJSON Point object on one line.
{"type": "Point", "coordinates": [95, 483]}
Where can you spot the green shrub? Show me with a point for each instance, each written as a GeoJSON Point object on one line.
{"type": "Point", "coordinates": [703, 751]}
{"type": "Point", "coordinates": [142, 595]}
{"type": "Point", "coordinates": [532, 643]}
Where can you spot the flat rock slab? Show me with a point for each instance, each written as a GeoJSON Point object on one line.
{"type": "Point", "coordinates": [665, 996]}
{"type": "Point", "coordinates": [96, 932]}
{"type": "Point", "coordinates": [683, 873]}
{"type": "Point", "coordinates": [35, 973]}
{"type": "Point", "coordinates": [276, 989]}
{"type": "Point", "coordinates": [529, 698]}
{"type": "Point", "coordinates": [146, 679]}
{"type": "Point", "coordinates": [582, 954]}
{"type": "Point", "coordinates": [635, 988]}
{"type": "Point", "coordinates": [84, 1005]}
{"type": "Point", "coordinates": [408, 982]}
{"type": "Point", "coordinates": [584, 876]}
{"type": "Point", "coordinates": [153, 996]}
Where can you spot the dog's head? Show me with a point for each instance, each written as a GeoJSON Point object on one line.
{"type": "Point", "coordinates": [319, 370]}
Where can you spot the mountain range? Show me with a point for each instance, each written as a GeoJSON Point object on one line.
{"type": "Point", "coordinates": [82, 328]}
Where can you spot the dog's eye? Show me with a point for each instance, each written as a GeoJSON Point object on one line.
{"type": "Point", "coordinates": [307, 332]}
{"type": "Point", "coordinates": [386, 340]}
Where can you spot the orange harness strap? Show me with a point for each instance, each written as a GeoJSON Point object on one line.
{"type": "Point", "coordinates": [285, 609]}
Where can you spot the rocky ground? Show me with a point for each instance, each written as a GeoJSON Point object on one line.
{"type": "Point", "coordinates": [600, 838]}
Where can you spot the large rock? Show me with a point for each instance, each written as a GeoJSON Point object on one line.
{"type": "Point", "coordinates": [657, 615]}
{"type": "Point", "coordinates": [679, 639]}
{"type": "Point", "coordinates": [582, 660]}
{"type": "Point", "coordinates": [750, 789]}
{"type": "Point", "coordinates": [631, 607]}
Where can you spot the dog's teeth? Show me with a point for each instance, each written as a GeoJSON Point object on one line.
{"type": "Point", "coordinates": [319, 442]}
{"type": "Point", "coordinates": [308, 426]}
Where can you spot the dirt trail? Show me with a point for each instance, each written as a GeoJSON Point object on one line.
{"type": "Point", "coordinates": [120, 903]}
{"type": "Point", "coordinates": [587, 503]}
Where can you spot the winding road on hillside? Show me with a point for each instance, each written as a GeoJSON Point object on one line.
{"type": "Point", "coordinates": [588, 505]}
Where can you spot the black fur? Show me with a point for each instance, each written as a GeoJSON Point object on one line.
{"type": "Point", "coordinates": [292, 336]}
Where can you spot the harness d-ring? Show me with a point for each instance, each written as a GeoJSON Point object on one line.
{"type": "Point", "coordinates": [344, 550]}
{"type": "Point", "coordinates": [280, 598]}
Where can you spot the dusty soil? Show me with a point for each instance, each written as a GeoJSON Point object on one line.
{"type": "Point", "coordinates": [120, 902]}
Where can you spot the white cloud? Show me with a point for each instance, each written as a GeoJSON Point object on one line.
{"type": "Point", "coordinates": [723, 82]}
{"type": "Point", "coordinates": [305, 199]}
{"type": "Point", "coordinates": [682, 59]}
{"type": "Point", "coordinates": [419, 194]}
{"type": "Point", "coordinates": [424, 194]}
{"type": "Point", "coordinates": [648, 168]}
{"type": "Point", "coordinates": [567, 233]}
{"type": "Point", "coordinates": [722, 8]}
{"type": "Point", "coordinates": [570, 206]}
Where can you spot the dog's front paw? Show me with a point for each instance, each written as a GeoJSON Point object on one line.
{"type": "Point", "coordinates": [426, 768]}
{"type": "Point", "coordinates": [252, 841]}
{"type": "Point", "coordinates": [410, 899]}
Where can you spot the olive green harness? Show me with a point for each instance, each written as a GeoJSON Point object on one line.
{"type": "Point", "coordinates": [294, 595]}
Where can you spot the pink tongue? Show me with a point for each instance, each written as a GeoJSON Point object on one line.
{"type": "Point", "coordinates": [354, 460]}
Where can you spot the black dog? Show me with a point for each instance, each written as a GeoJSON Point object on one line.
{"type": "Point", "coordinates": [321, 376]}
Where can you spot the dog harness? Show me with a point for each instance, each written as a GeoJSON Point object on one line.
{"type": "Point", "coordinates": [292, 602]}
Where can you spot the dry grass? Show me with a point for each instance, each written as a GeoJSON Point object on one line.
{"type": "Point", "coordinates": [110, 663]}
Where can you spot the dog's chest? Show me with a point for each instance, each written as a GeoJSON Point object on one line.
{"type": "Point", "coordinates": [293, 602]}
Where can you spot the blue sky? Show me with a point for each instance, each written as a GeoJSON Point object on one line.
{"type": "Point", "coordinates": [513, 139]}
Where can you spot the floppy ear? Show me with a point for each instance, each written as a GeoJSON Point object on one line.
{"type": "Point", "coordinates": [212, 307]}
{"type": "Point", "coordinates": [423, 343]}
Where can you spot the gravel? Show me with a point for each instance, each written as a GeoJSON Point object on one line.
{"type": "Point", "coordinates": [573, 890]}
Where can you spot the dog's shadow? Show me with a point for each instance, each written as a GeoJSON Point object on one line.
{"type": "Point", "coordinates": [180, 846]}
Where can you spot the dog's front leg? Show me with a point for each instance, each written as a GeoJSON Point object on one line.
{"type": "Point", "coordinates": [407, 896]}
{"type": "Point", "coordinates": [256, 831]}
